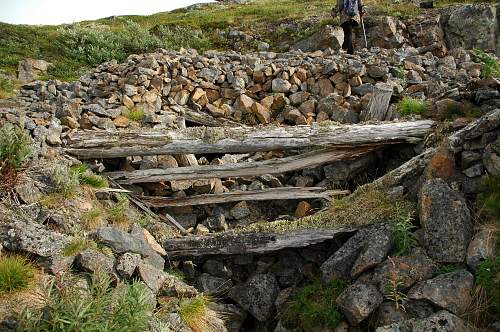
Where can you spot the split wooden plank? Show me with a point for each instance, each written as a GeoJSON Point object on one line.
{"type": "Point", "coordinates": [233, 243]}
{"type": "Point", "coordinates": [204, 119]}
{"type": "Point", "coordinates": [378, 105]}
{"type": "Point", "coordinates": [203, 140]}
{"type": "Point", "coordinates": [285, 193]}
{"type": "Point", "coordinates": [247, 169]}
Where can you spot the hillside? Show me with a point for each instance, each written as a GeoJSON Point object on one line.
{"type": "Point", "coordinates": [229, 168]}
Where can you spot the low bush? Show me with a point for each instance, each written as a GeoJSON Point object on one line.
{"type": "Point", "coordinates": [176, 36]}
{"type": "Point", "coordinates": [314, 307]}
{"type": "Point", "coordinates": [402, 230]}
{"type": "Point", "coordinates": [16, 274]}
{"type": "Point", "coordinates": [409, 106]}
{"type": "Point", "coordinates": [65, 182]}
{"type": "Point", "coordinates": [71, 308]}
{"type": "Point", "coordinates": [7, 87]}
{"type": "Point", "coordinates": [117, 214]}
{"type": "Point", "coordinates": [135, 114]}
{"type": "Point", "coordinates": [491, 65]}
{"type": "Point", "coordinates": [15, 150]}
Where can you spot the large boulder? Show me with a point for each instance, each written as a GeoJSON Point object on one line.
{"type": "Point", "coordinates": [450, 291]}
{"type": "Point", "coordinates": [471, 26]}
{"type": "Point", "coordinates": [383, 32]}
{"type": "Point", "coordinates": [442, 321]}
{"type": "Point", "coordinates": [257, 295]}
{"type": "Point", "coordinates": [28, 70]}
{"type": "Point", "coordinates": [327, 37]}
{"type": "Point", "coordinates": [427, 32]}
{"type": "Point", "coordinates": [446, 222]}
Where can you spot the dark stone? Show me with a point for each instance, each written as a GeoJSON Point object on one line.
{"type": "Point", "coordinates": [358, 301]}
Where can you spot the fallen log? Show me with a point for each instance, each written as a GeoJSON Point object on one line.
{"type": "Point", "coordinates": [234, 243]}
{"type": "Point", "coordinates": [273, 166]}
{"type": "Point", "coordinates": [286, 193]}
{"type": "Point", "coordinates": [103, 144]}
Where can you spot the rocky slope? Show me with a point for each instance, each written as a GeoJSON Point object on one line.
{"type": "Point", "coordinates": [293, 191]}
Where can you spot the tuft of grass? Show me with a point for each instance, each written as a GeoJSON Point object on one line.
{"type": "Point", "coordinates": [15, 150]}
{"type": "Point", "coordinates": [7, 87]}
{"type": "Point", "coordinates": [491, 65]}
{"type": "Point", "coordinates": [135, 114]}
{"type": "Point", "coordinates": [402, 230]}
{"type": "Point", "coordinates": [64, 182]}
{"type": "Point", "coordinates": [314, 307]}
{"type": "Point", "coordinates": [117, 214]}
{"type": "Point", "coordinates": [196, 314]}
{"type": "Point", "coordinates": [488, 277]}
{"type": "Point", "coordinates": [87, 177]}
{"type": "Point", "coordinates": [16, 274]}
{"type": "Point", "coordinates": [76, 246]}
{"type": "Point", "coordinates": [489, 197]}
{"type": "Point", "coordinates": [409, 106]}
{"type": "Point", "coordinates": [93, 218]}
{"type": "Point", "coordinates": [71, 307]}
{"type": "Point", "coordinates": [393, 293]}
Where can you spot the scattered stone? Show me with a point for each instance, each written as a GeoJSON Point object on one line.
{"type": "Point", "coordinates": [240, 211]}
{"type": "Point", "coordinates": [152, 277]}
{"type": "Point", "coordinates": [127, 263]}
{"type": "Point", "coordinates": [92, 261]}
{"type": "Point", "coordinates": [442, 321]}
{"type": "Point", "coordinates": [481, 248]}
{"type": "Point", "coordinates": [358, 301]}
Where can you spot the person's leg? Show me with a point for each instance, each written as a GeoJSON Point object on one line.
{"type": "Point", "coordinates": [347, 26]}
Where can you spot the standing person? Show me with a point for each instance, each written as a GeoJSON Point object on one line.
{"type": "Point", "coordinates": [351, 13]}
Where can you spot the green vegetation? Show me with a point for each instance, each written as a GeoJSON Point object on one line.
{"type": "Point", "coordinates": [446, 269]}
{"type": "Point", "coordinates": [65, 183]}
{"type": "Point", "coordinates": [87, 177]}
{"type": "Point", "coordinates": [368, 205]}
{"type": "Point", "coordinates": [409, 106]}
{"type": "Point", "coordinates": [195, 313]}
{"type": "Point", "coordinates": [15, 149]}
{"type": "Point", "coordinates": [314, 307]}
{"type": "Point", "coordinates": [459, 111]}
{"type": "Point", "coordinates": [491, 64]}
{"type": "Point", "coordinates": [488, 277]}
{"type": "Point", "coordinates": [117, 214]}
{"type": "Point", "coordinates": [77, 245]}
{"type": "Point", "coordinates": [7, 87]}
{"type": "Point", "coordinates": [93, 218]}
{"type": "Point", "coordinates": [402, 230]}
{"type": "Point", "coordinates": [393, 292]}
{"type": "Point", "coordinates": [69, 307]}
{"type": "Point", "coordinates": [489, 197]}
{"type": "Point", "coordinates": [136, 114]}
{"type": "Point", "coordinates": [16, 274]}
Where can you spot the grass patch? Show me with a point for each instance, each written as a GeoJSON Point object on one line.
{"type": "Point", "coordinates": [368, 205]}
{"type": "Point", "coordinates": [488, 277]}
{"type": "Point", "coordinates": [314, 307]}
{"type": "Point", "coordinates": [69, 307]}
{"type": "Point", "coordinates": [410, 106]}
{"type": "Point", "coordinates": [16, 274]}
{"type": "Point", "coordinates": [15, 150]}
{"type": "Point", "coordinates": [64, 182]}
{"type": "Point", "coordinates": [456, 111]}
{"type": "Point", "coordinates": [195, 313]}
{"type": "Point", "coordinates": [489, 197]}
{"type": "Point", "coordinates": [87, 177]}
{"type": "Point", "coordinates": [117, 214]}
{"type": "Point", "coordinates": [135, 115]}
{"type": "Point", "coordinates": [491, 65]}
{"type": "Point", "coordinates": [76, 246]}
{"type": "Point", "coordinates": [448, 268]}
{"type": "Point", "coordinates": [93, 218]}
{"type": "Point", "coordinates": [7, 87]}
{"type": "Point", "coordinates": [402, 230]}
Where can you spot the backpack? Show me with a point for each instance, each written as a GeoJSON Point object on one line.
{"type": "Point", "coordinates": [351, 7]}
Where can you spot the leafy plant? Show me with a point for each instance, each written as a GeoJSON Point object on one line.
{"type": "Point", "coordinates": [394, 294]}
{"type": "Point", "coordinates": [409, 106]}
{"type": "Point", "coordinates": [16, 274]}
{"type": "Point", "coordinates": [70, 307]}
{"type": "Point", "coordinates": [402, 230]}
{"type": "Point", "coordinates": [87, 177]}
{"type": "Point", "coordinates": [15, 149]}
{"type": "Point", "coordinates": [491, 65]}
{"type": "Point", "coordinates": [314, 307]}
{"type": "Point", "coordinates": [118, 213]}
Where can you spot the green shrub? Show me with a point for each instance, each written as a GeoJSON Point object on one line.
{"type": "Point", "coordinates": [196, 314]}
{"type": "Point", "coordinates": [488, 277]}
{"type": "Point", "coordinates": [393, 292]}
{"type": "Point", "coordinates": [491, 65]}
{"type": "Point", "coordinates": [64, 181]}
{"type": "Point", "coordinates": [402, 230]}
{"type": "Point", "coordinates": [176, 36]}
{"type": "Point", "coordinates": [87, 177]}
{"type": "Point", "coordinates": [70, 308]}
{"type": "Point", "coordinates": [314, 307]}
{"type": "Point", "coordinates": [15, 149]}
{"type": "Point", "coordinates": [7, 87]}
{"type": "Point", "coordinates": [16, 274]}
{"type": "Point", "coordinates": [136, 114]}
{"type": "Point", "coordinates": [409, 106]}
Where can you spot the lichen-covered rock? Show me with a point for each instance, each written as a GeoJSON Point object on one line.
{"type": "Point", "coordinates": [257, 295]}
{"type": "Point", "coordinates": [152, 277]}
{"type": "Point", "coordinates": [327, 37]}
{"type": "Point", "coordinates": [358, 301]}
{"type": "Point", "coordinates": [446, 222]}
{"type": "Point", "coordinates": [442, 321]}
{"type": "Point", "coordinates": [450, 291]}
{"type": "Point", "coordinates": [208, 284]}
{"type": "Point", "coordinates": [92, 261]}
{"type": "Point", "coordinates": [481, 248]}
{"type": "Point", "coordinates": [127, 263]}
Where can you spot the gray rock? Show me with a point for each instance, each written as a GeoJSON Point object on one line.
{"type": "Point", "coordinates": [127, 263]}
{"type": "Point", "coordinates": [91, 260]}
{"type": "Point", "coordinates": [481, 248]}
{"type": "Point", "coordinates": [442, 321]}
{"type": "Point", "coordinates": [389, 314]}
{"type": "Point", "coordinates": [491, 158]}
{"type": "Point", "coordinates": [152, 277]}
{"type": "Point", "coordinates": [358, 301]}
{"type": "Point", "coordinates": [363, 89]}
{"type": "Point", "coordinates": [450, 291]}
{"type": "Point", "coordinates": [216, 268]}
{"type": "Point", "coordinates": [240, 211]}
{"type": "Point", "coordinates": [29, 69]}
{"type": "Point", "coordinates": [257, 295]}
{"type": "Point", "coordinates": [474, 171]}
{"type": "Point", "coordinates": [28, 192]}
{"type": "Point", "coordinates": [234, 316]}
{"type": "Point", "coordinates": [342, 171]}
{"type": "Point", "coordinates": [327, 37]}
{"type": "Point", "coordinates": [206, 283]}
{"type": "Point", "coordinates": [446, 222]}
{"type": "Point", "coordinates": [281, 86]}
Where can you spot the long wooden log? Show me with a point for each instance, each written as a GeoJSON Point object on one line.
{"type": "Point", "coordinates": [285, 193]}
{"type": "Point", "coordinates": [103, 144]}
{"type": "Point", "coordinates": [273, 166]}
{"type": "Point", "coordinates": [233, 243]}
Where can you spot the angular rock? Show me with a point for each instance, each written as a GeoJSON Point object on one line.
{"type": "Point", "coordinates": [206, 283]}
{"type": "Point", "coordinates": [450, 291]}
{"type": "Point", "coordinates": [127, 263]}
{"type": "Point", "coordinates": [152, 277]}
{"type": "Point", "coordinates": [481, 248]}
{"type": "Point", "coordinates": [442, 321]}
{"type": "Point", "coordinates": [240, 211]}
{"type": "Point", "coordinates": [257, 295]}
{"type": "Point", "coordinates": [92, 261]}
{"type": "Point", "coordinates": [327, 37]}
{"type": "Point", "coordinates": [358, 301]}
{"type": "Point", "coordinates": [281, 86]}
{"type": "Point", "coordinates": [446, 222]}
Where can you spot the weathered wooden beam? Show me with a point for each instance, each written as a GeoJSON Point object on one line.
{"type": "Point", "coordinates": [285, 193]}
{"type": "Point", "coordinates": [378, 105]}
{"type": "Point", "coordinates": [204, 119]}
{"type": "Point", "coordinates": [234, 243]}
{"type": "Point", "coordinates": [103, 144]}
{"type": "Point", "coordinates": [273, 166]}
